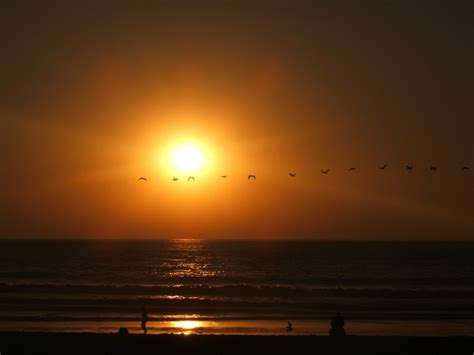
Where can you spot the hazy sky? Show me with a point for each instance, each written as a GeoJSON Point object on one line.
{"type": "Point", "coordinates": [94, 96]}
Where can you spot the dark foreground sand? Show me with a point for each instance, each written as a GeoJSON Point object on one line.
{"type": "Point", "coordinates": [90, 343]}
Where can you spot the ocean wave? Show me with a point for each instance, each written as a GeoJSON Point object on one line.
{"type": "Point", "coordinates": [285, 292]}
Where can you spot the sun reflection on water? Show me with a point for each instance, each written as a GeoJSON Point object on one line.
{"type": "Point", "coordinates": [187, 258]}
{"type": "Point", "coordinates": [187, 324]}
{"type": "Point", "coordinates": [187, 327]}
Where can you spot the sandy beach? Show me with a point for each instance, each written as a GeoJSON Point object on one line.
{"type": "Point", "coordinates": [92, 343]}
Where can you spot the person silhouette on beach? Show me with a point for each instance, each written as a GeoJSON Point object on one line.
{"type": "Point", "coordinates": [144, 319]}
{"type": "Point", "coordinates": [289, 327]}
{"type": "Point", "coordinates": [337, 326]}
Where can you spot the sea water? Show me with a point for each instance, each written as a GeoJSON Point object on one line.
{"type": "Point", "coordinates": [238, 286]}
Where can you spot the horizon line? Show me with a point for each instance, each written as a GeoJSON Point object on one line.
{"type": "Point", "coordinates": [234, 239]}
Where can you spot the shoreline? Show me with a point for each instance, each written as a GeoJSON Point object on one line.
{"type": "Point", "coordinates": [432, 328]}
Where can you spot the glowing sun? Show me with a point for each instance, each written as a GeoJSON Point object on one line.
{"type": "Point", "coordinates": [187, 158]}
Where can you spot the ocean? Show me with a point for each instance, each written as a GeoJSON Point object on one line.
{"type": "Point", "coordinates": [238, 287]}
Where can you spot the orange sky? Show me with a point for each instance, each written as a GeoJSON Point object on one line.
{"type": "Point", "coordinates": [93, 97]}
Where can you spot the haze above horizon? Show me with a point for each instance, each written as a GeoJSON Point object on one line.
{"type": "Point", "coordinates": [149, 120]}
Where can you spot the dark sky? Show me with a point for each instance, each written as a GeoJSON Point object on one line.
{"type": "Point", "coordinates": [90, 90]}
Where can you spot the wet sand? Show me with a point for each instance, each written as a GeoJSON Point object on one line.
{"type": "Point", "coordinates": [93, 343]}
{"type": "Point", "coordinates": [440, 328]}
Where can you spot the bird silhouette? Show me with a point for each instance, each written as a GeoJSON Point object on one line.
{"type": "Point", "coordinates": [351, 169]}
{"type": "Point", "coordinates": [252, 177]}
{"type": "Point", "coordinates": [175, 178]}
{"type": "Point", "coordinates": [223, 176]}
{"type": "Point", "coordinates": [191, 178]}
{"type": "Point", "coordinates": [383, 167]}
{"type": "Point", "coordinates": [433, 168]}
{"type": "Point", "coordinates": [143, 178]}
{"type": "Point", "coordinates": [465, 168]}
{"type": "Point", "coordinates": [292, 174]}
{"type": "Point", "coordinates": [324, 171]}
{"type": "Point", "coordinates": [409, 167]}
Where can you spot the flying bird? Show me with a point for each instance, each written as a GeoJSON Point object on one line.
{"type": "Point", "coordinates": [143, 178]}
{"type": "Point", "coordinates": [433, 168]}
{"type": "Point", "coordinates": [409, 167]}
{"type": "Point", "coordinates": [292, 174]}
{"type": "Point", "coordinates": [383, 167]}
{"type": "Point", "coordinates": [251, 177]}
{"type": "Point", "coordinates": [191, 178]}
{"type": "Point", "coordinates": [324, 171]}
{"type": "Point", "coordinates": [223, 176]}
{"type": "Point", "coordinates": [351, 169]}
{"type": "Point", "coordinates": [465, 168]}
{"type": "Point", "coordinates": [175, 178]}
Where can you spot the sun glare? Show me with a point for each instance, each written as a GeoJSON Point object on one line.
{"type": "Point", "coordinates": [187, 158]}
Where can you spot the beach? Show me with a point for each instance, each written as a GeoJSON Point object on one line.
{"type": "Point", "coordinates": [90, 343]}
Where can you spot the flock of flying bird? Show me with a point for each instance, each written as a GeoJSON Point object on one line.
{"type": "Point", "coordinates": [326, 171]}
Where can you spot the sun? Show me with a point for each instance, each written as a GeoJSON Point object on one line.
{"type": "Point", "coordinates": [187, 158]}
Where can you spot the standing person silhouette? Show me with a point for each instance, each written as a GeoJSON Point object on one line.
{"type": "Point", "coordinates": [144, 319]}
{"type": "Point", "coordinates": [337, 326]}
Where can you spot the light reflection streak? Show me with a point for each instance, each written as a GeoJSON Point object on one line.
{"type": "Point", "coordinates": [190, 326]}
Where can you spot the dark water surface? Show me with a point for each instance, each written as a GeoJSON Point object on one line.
{"type": "Point", "coordinates": [217, 281]}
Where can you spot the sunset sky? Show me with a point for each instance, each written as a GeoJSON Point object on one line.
{"type": "Point", "coordinates": [92, 97]}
